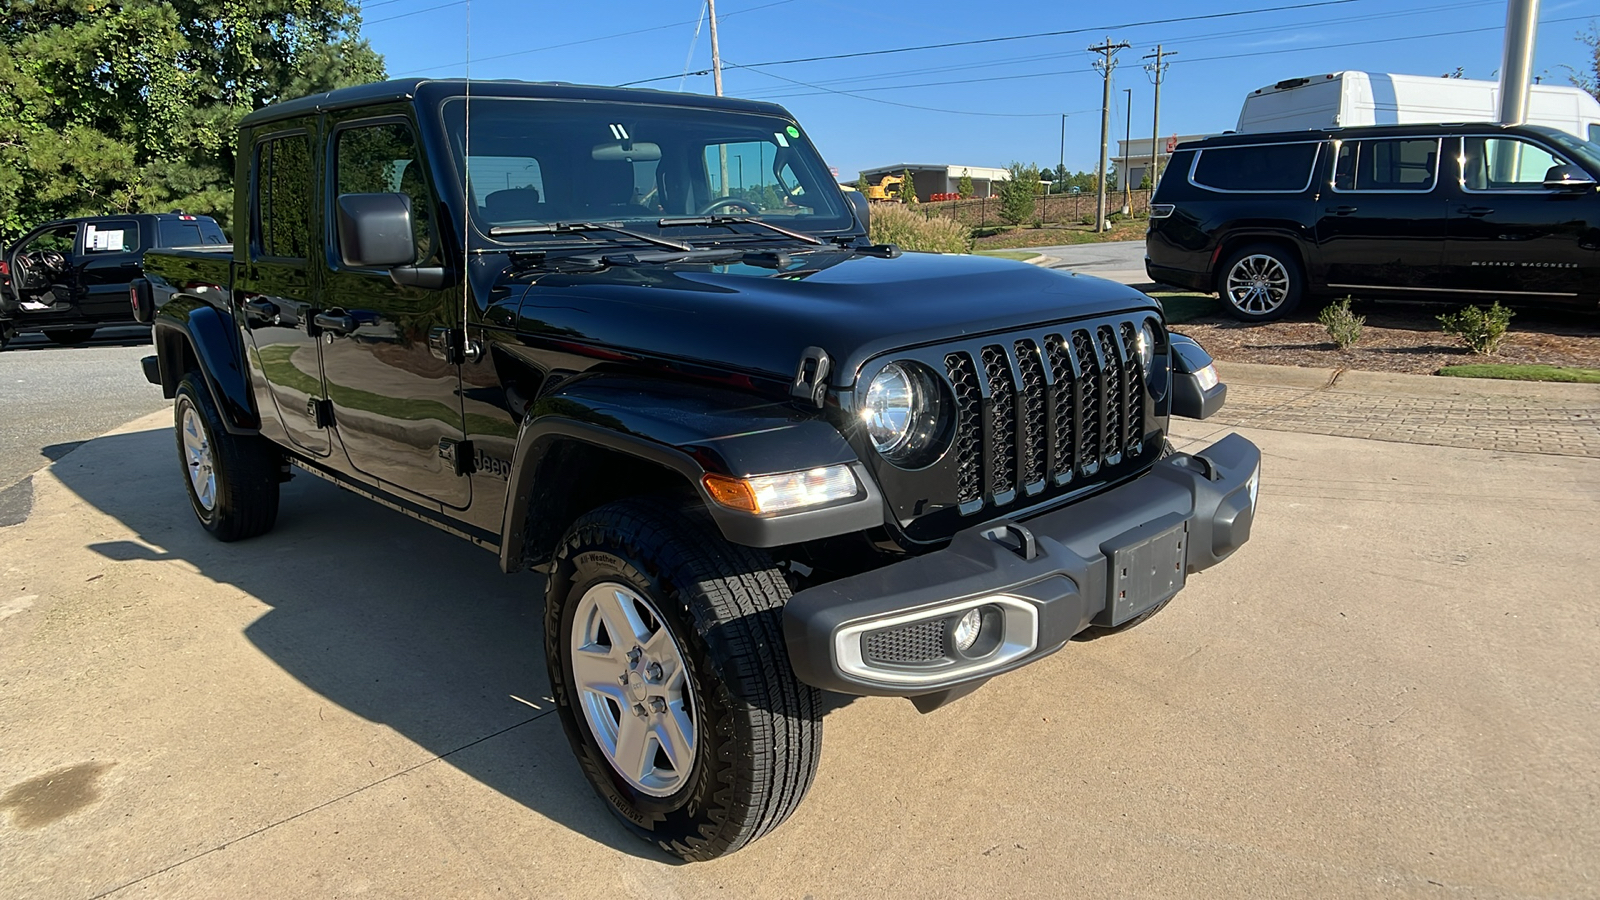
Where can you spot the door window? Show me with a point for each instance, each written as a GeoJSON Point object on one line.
{"type": "Point", "coordinates": [381, 159]}
{"type": "Point", "coordinates": [59, 239]}
{"type": "Point", "coordinates": [1504, 164]}
{"type": "Point", "coordinates": [110, 237]}
{"type": "Point", "coordinates": [282, 203]}
{"type": "Point", "coordinates": [1402, 164]}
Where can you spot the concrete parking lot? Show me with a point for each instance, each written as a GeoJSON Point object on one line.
{"type": "Point", "coordinates": [1390, 691]}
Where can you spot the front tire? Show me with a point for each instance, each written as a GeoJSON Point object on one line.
{"type": "Point", "coordinates": [1261, 283]}
{"type": "Point", "coordinates": [668, 666]}
{"type": "Point", "coordinates": [232, 479]}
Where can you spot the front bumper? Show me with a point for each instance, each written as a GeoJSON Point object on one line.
{"type": "Point", "coordinates": [1102, 561]}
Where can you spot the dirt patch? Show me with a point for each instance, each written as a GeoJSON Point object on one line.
{"type": "Point", "coordinates": [1399, 338]}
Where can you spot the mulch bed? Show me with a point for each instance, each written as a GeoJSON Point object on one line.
{"type": "Point", "coordinates": [1400, 338]}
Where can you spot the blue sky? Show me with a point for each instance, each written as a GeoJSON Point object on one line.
{"type": "Point", "coordinates": [981, 105]}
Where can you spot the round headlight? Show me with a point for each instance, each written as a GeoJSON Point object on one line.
{"type": "Point", "coordinates": [901, 412]}
{"type": "Point", "coordinates": [1147, 347]}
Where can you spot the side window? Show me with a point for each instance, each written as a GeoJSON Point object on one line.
{"type": "Point", "coordinates": [379, 159]}
{"type": "Point", "coordinates": [1407, 164]}
{"type": "Point", "coordinates": [60, 240]}
{"type": "Point", "coordinates": [110, 237]}
{"type": "Point", "coordinates": [1260, 167]}
{"type": "Point", "coordinates": [282, 203]}
{"type": "Point", "coordinates": [1504, 164]}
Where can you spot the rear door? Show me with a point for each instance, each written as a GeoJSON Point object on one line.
{"type": "Point", "coordinates": [110, 259]}
{"type": "Point", "coordinates": [396, 397]}
{"type": "Point", "coordinates": [276, 285]}
{"type": "Point", "coordinates": [1382, 223]}
{"type": "Point", "coordinates": [1509, 235]}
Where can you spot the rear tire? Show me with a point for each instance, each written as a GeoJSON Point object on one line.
{"type": "Point", "coordinates": [1261, 283]}
{"type": "Point", "coordinates": [70, 337]}
{"type": "Point", "coordinates": [232, 479]}
{"type": "Point", "coordinates": [668, 666]}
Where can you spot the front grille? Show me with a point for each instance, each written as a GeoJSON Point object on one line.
{"type": "Point", "coordinates": [919, 642]}
{"type": "Point", "coordinates": [1044, 410]}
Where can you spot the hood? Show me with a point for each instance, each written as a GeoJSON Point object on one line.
{"type": "Point", "coordinates": [760, 320]}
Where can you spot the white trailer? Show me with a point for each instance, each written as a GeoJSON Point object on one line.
{"type": "Point", "coordinates": [1343, 99]}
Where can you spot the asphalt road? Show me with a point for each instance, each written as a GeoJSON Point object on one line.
{"type": "Point", "coordinates": [53, 398]}
{"type": "Point", "coordinates": [1097, 259]}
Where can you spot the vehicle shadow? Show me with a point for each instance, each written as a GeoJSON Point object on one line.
{"type": "Point", "coordinates": [109, 336]}
{"type": "Point", "coordinates": [397, 622]}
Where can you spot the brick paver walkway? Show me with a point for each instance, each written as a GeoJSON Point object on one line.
{"type": "Point", "coordinates": [1517, 424]}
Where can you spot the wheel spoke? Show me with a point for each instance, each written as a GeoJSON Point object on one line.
{"type": "Point", "coordinates": [635, 754]}
{"type": "Point", "coordinates": [676, 735]}
{"type": "Point", "coordinates": [599, 671]}
{"type": "Point", "coordinates": [622, 618]}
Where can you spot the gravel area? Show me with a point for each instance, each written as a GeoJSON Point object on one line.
{"type": "Point", "coordinates": [1400, 339]}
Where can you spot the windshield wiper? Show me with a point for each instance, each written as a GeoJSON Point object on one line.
{"type": "Point", "coordinates": [738, 220]}
{"type": "Point", "coordinates": [574, 227]}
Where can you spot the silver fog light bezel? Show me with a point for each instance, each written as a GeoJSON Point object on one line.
{"type": "Point", "coordinates": [1018, 636]}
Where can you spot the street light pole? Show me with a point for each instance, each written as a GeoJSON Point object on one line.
{"type": "Point", "coordinates": [1127, 136]}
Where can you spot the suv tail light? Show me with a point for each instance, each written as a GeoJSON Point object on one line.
{"type": "Point", "coordinates": [1160, 210]}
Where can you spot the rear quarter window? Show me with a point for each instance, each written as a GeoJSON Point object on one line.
{"type": "Point", "coordinates": [1256, 167]}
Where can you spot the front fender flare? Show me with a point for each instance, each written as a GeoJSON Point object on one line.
{"type": "Point", "coordinates": [689, 431]}
{"type": "Point", "coordinates": [191, 333]}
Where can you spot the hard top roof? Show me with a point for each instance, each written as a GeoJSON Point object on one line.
{"type": "Point", "coordinates": [438, 89]}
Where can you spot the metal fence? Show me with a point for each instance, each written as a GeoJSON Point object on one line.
{"type": "Point", "coordinates": [1068, 209]}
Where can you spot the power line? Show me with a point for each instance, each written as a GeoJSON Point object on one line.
{"type": "Point", "coordinates": [1020, 37]}
{"type": "Point", "coordinates": [954, 112]}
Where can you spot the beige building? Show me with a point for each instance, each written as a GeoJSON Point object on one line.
{"type": "Point", "coordinates": [932, 179]}
{"type": "Point", "coordinates": [1134, 156]}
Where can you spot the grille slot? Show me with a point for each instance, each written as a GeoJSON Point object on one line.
{"type": "Point", "coordinates": [919, 643]}
{"type": "Point", "coordinates": [1044, 410]}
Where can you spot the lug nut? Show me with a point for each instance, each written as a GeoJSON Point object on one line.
{"type": "Point", "coordinates": [658, 705]}
{"type": "Point", "coordinates": [653, 672]}
{"type": "Point", "coordinates": [634, 655]}
{"type": "Point", "coordinates": [638, 710]}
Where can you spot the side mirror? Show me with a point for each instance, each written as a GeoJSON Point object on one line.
{"type": "Point", "coordinates": [863, 209]}
{"type": "Point", "coordinates": [1567, 178]}
{"type": "Point", "coordinates": [1197, 393]}
{"type": "Point", "coordinates": [375, 231]}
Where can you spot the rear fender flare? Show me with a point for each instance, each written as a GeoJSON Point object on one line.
{"type": "Point", "coordinates": [190, 333]}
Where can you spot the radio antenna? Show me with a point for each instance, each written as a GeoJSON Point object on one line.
{"type": "Point", "coordinates": [466, 194]}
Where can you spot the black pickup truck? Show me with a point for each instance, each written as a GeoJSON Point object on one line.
{"type": "Point", "coordinates": [69, 277]}
{"type": "Point", "coordinates": [639, 342]}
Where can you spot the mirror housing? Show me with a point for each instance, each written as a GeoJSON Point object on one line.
{"type": "Point", "coordinates": [863, 209]}
{"type": "Point", "coordinates": [1567, 178]}
{"type": "Point", "coordinates": [375, 231]}
{"type": "Point", "coordinates": [625, 151]}
{"type": "Point", "coordinates": [1197, 391]}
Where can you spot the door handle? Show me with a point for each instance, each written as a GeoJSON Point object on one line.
{"type": "Point", "coordinates": [336, 322]}
{"type": "Point", "coordinates": [1341, 210]}
{"type": "Point", "coordinates": [1477, 212]}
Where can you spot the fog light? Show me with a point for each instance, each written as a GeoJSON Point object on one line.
{"type": "Point", "coordinates": [967, 630]}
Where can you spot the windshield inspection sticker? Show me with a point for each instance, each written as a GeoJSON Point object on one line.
{"type": "Point", "coordinates": [792, 131]}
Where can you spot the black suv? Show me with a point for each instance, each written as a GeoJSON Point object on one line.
{"type": "Point", "coordinates": [69, 277]}
{"type": "Point", "coordinates": [1397, 211]}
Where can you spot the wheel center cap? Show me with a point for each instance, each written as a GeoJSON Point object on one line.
{"type": "Point", "coordinates": [637, 690]}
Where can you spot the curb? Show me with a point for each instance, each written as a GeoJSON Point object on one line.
{"type": "Point", "coordinates": [1356, 381]}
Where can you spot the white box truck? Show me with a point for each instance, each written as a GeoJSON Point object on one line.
{"type": "Point", "coordinates": [1343, 99]}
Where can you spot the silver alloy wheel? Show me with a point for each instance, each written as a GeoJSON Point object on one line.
{"type": "Point", "coordinates": [1258, 284]}
{"type": "Point", "coordinates": [631, 682]}
{"type": "Point", "coordinates": [197, 456]}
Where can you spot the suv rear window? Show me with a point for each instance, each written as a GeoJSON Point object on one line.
{"type": "Point", "coordinates": [1255, 167]}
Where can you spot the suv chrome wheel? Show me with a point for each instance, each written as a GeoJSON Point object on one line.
{"type": "Point", "coordinates": [630, 680]}
{"type": "Point", "coordinates": [1258, 285]}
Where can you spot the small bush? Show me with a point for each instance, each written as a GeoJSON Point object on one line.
{"type": "Point", "coordinates": [1481, 330]}
{"type": "Point", "coordinates": [1087, 220]}
{"type": "Point", "coordinates": [1344, 326]}
{"type": "Point", "coordinates": [895, 224]}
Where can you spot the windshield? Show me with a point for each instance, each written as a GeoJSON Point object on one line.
{"type": "Point", "coordinates": [537, 162]}
{"type": "Point", "coordinates": [1587, 153]}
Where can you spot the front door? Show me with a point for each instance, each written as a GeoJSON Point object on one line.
{"type": "Point", "coordinates": [396, 398]}
{"type": "Point", "coordinates": [108, 262]}
{"type": "Point", "coordinates": [43, 274]}
{"type": "Point", "coordinates": [1382, 225]}
{"type": "Point", "coordinates": [275, 290]}
{"type": "Point", "coordinates": [1509, 235]}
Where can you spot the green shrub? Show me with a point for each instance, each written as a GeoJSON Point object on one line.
{"type": "Point", "coordinates": [1481, 330]}
{"type": "Point", "coordinates": [1344, 326]}
{"type": "Point", "coordinates": [895, 224]}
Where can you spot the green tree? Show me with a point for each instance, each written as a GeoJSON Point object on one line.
{"type": "Point", "coordinates": [131, 106]}
{"type": "Point", "coordinates": [862, 184]}
{"type": "Point", "coordinates": [1588, 76]}
{"type": "Point", "coordinates": [964, 186]}
{"type": "Point", "coordinates": [1018, 193]}
{"type": "Point", "coordinates": [908, 189]}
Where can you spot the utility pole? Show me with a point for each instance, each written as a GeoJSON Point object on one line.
{"type": "Point", "coordinates": [716, 80]}
{"type": "Point", "coordinates": [1106, 64]}
{"type": "Point", "coordinates": [1061, 164]}
{"type": "Point", "coordinates": [1158, 69]}
{"type": "Point", "coordinates": [1127, 139]}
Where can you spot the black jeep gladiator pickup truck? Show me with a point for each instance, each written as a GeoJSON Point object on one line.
{"type": "Point", "coordinates": [639, 342]}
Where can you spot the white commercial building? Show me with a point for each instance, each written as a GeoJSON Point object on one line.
{"type": "Point", "coordinates": [932, 180]}
{"type": "Point", "coordinates": [1134, 156]}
